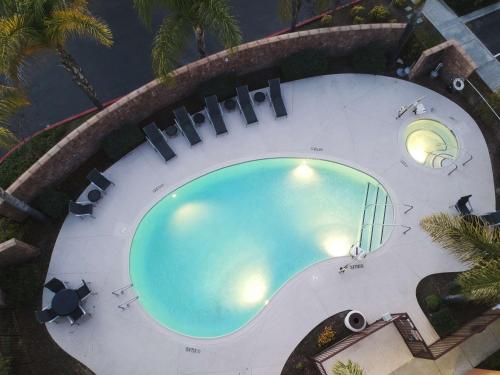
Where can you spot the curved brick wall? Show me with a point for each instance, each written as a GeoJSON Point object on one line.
{"type": "Point", "coordinates": [77, 146]}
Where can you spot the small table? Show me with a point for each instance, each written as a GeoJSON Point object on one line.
{"type": "Point", "coordinates": [230, 104]}
{"type": "Point", "coordinates": [259, 96]}
{"type": "Point", "coordinates": [65, 302]}
{"type": "Point", "coordinates": [94, 195]}
{"type": "Point", "coordinates": [198, 118]}
{"type": "Point", "coordinates": [171, 131]}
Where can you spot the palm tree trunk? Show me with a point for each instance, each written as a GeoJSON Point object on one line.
{"type": "Point", "coordinates": [69, 63]}
{"type": "Point", "coordinates": [21, 206]}
{"type": "Point", "coordinates": [199, 33]}
{"type": "Point", "coordinates": [296, 5]}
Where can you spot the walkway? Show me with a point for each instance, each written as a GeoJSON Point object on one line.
{"type": "Point", "coordinates": [453, 27]}
{"type": "Point", "coordinates": [346, 118]}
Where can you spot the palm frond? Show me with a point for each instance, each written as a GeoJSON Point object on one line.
{"type": "Point", "coordinates": [482, 282]}
{"type": "Point", "coordinates": [168, 45]}
{"type": "Point", "coordinates": [285, 10]}
{"type": "Point", "coordinates": [64, 24]}
{"type": "Point", "coordinates": [11, 99]}
{"type": "Point", "coordinates": [216, 16]}
{"type": "Point", "coordinates": [469, 239]}
{"type": "Point", "coordinates": [144, 9]}
{"type": "Point", "coordinates": [348, 368]}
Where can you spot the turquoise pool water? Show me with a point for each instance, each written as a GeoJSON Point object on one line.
{"type": "Point", "coordinates": [209, 256]}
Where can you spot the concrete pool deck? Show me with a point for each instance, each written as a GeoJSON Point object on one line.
{"type": "Point", "coordinates": [345, 118]}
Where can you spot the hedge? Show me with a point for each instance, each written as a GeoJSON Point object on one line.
{"type": "Point", "coordinates": [121, 141]}
{"type": "Point", "coordinates": [303, 64]}
{"type": "Point", "coordinates": [369, 59]}
{"type": "Point", "coordinates": [443, 322]}
{"type": "Point", "coordinates": [52, 203]}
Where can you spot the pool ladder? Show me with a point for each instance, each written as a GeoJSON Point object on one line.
{"type": "Point", "coordinates": [120, 291]}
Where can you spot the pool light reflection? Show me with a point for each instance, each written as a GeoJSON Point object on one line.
{"type": "Point", "coordinates": [303, 171]}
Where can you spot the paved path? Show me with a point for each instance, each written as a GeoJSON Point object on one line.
{"type": "Point", "coordinates": [453, 27]}
{"type": "Point", "coordinates": [345, 118]}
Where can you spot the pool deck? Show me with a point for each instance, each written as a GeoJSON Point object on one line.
{"type": "Point", "coordinates": [344, 118]}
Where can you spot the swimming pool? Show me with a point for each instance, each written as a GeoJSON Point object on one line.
{"type": "Point", "coordinates": [209, 256]}
{"type": "Point", "coordinates": [431, 143]}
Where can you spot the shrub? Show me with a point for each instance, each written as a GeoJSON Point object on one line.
{"type": "Point", "coordinates": [358, 20]}
{"type": "Point", "coordinates": [369, 60]}
{"type": "Point", "coordinates": [224, 86]}
{"type": "Point", "coordinates": [379, 13]}
{"type": "Point", "coordinates": [443, 322]}
{"type": "Point", "coordinates": [121, 141]}
{"type": "Point", "coordinates": [399, 3]}
{"type": "Point", "coordinates": [21, 283]}
{"type": "Point", "coordinates": [326, 20]}
{"type": "Point", "coordinates": [357, 10]}
{"type": "Point", "coordinates": [326, 336]}
{"type": "Point", "coordinates": [432, 302]}
{"type": "Point", "coordinates": [302, 64]}
{"type": "Point", "coordinates": [4, 366]}
{"type": "Point", "coordinates": [10, 229]}
{"type": "Point", "coordinates": [52, 203]}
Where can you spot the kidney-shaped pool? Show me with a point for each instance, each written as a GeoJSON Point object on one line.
{"type": "Point", "coordinates": [208, 256]}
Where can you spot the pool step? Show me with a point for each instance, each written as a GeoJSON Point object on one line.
{"type": "Point", "coordinates": [375, 213]}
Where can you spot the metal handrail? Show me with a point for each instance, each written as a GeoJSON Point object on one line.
{"type": "Point", "coordinates": [122, 290]}
{"type": "Point", "coordinates": [408, 228]}
{"type": "Point", "coordinates": [392, 204]}
{"type": "Point", "coordinates": [125, 305]}
{"type": "Point", "coordinates": [468, 160]}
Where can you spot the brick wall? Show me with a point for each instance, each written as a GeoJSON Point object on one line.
{"type": "Point", "coordinates": [456, 62]}
{"type": "Point", "coordinates": [80, 144]}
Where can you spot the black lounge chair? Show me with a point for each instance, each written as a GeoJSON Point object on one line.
{"type": "Point", "coordinates": [276, 98]}
{"type": "Point", "coordinates": [46, 316]}
{"type": "Point", "coordinates": [492, 218]}
{"type": "Point", "coordinates": [55, 285]}
{"type": "Point", "coordinates": [158, 141]}
{"type": "Point", "coordinates": [81, 209]}
{"type": "Point", "coordinates": [463, 205]}
{"type": "Point", "coordinates": [215, 114]}
{"type": "Point", "coordinates": [99, 180]}
{"type": "Point", "coordinates": [76, 315]}
{"type": "Point", "coordinates": [186, 126]}
{"type": "Point", "coordinates": [246, 105]}
{"type": "Point", "coordinates": [83, 291]}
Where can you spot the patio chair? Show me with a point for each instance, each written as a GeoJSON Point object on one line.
{"type": "Point", "coordinates": [276, 98]}
{"type": "Point", "coordinates": [47, 315]}
{"type": "Point", "coordinates": [246, 105]}
{"type": "Point", "coordinates": [55, 285]}
{"type": "Point", "coordinates": [158, 141]}
{"type": "Point", "coordinates": [215, 114]}
{"type": "Point", "coordinates": [463, 205]}
{"type": "Point", "coordinates": [185, 123]}
{"type": "Point", "coordinates": [492, 218]}
{"type": "Point", "coordinates": [97, 179]}
{"type": "Point", "coordinates": [83, 291]}
{"type": "Point", "coordinates": [81, 209]}
{"type": "Point", "coordinates": [76, 315]}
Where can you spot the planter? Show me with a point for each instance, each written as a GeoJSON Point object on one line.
{"type": "Point", "coordinates": [355, 321]}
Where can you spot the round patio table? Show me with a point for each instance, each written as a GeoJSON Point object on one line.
{"type": "Point", "coordinates": [259, 96]}
{"type": "Point", "coordinates": [198, 118]}
{"type": "Point", "coordinates": [171, 130]}
{"type": "Point", "coordinates": [65, 302]}
{"type": "Point", "coordinates": [94, 195]}
{"type": "Point", "coordinates": [230, 104]}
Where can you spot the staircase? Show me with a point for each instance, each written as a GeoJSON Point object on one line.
{"type": "Point", "coordinates": [377, 211]}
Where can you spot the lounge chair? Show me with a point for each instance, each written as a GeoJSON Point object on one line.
{"type": "Point", "coordinates": [463, 205]}
{"type": "Point", "coordinates": [99, 180]}
{"type": "Point", "coordinates": [76, 315]}
{"type": "Point", "coordinates": [47, 315]}
{"type": "Point", "coordinates": [215, 114]}
{"type": "Point", "coordinates": [81, 209]}
{"type": "Point", "coordinates": [83, 291]}
{"type": "Point", "coordinates": [185, 123]}
{"type": "Point", "coordinates": [276, 98]}
{"type": "Point", "coordinates": [492, 218]}
{"type": "Point", "coordinates": [55, 285]}
{"type": "Point", "coordinates": [246, 105]}
{"type": "Point", "coordinates": [158, 141]}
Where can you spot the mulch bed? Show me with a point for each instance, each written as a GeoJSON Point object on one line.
{"type": "Point", "coordinates": [299, 362]}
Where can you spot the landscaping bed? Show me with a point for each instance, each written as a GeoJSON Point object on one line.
{"type": "Point", "coordinates": [324, 335]}
{"type": "Point", "coordinates": [491, 363]}
{"type": "Point", "coordinates": [462, 7]}
{"type": "Point", "coordinates": [445, 317]}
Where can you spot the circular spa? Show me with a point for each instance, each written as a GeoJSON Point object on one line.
{"type": "Point", "coordinates": [209, 256]}
{"type": "Point", "coordinates": [430, 143]}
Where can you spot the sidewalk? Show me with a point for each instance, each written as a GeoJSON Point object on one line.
{"type": "Point", "coordinates": [453, 27]}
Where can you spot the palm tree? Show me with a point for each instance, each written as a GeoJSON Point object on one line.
{"type": "Point", "coordinates": [28, 27]}
{"type": "Point", "coordinates": [472, 241]}
{"type": "Point", "coordinates": [187, 16]}
{"type": "Point", "coordinates": [288, 10]}
{"type": "Point", "coordinates": [349, 368]}
{"type": "Point", "coordinates": [11, 99]}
